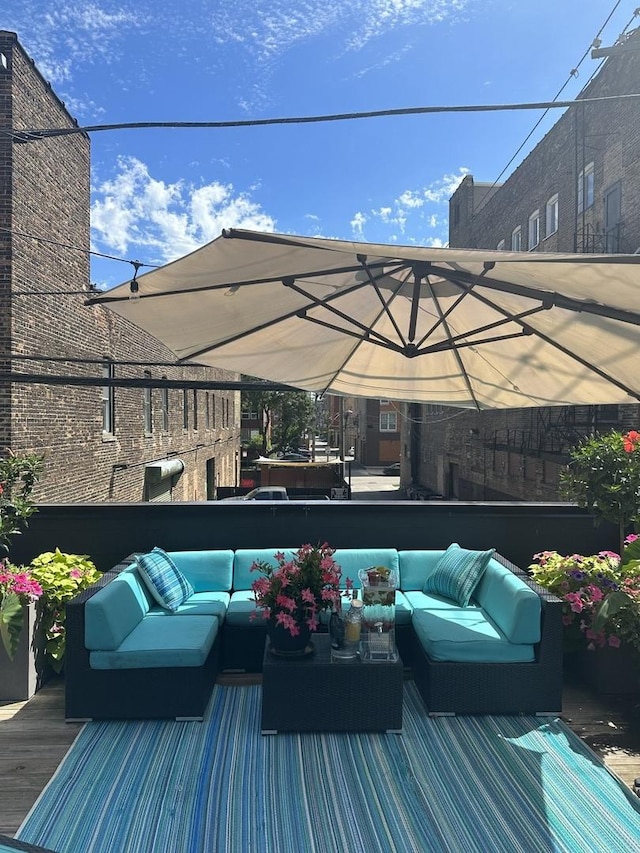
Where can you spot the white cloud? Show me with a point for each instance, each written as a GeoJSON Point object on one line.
{"type": "Point", "coordinates": [164, 221]}
{"type": "Point", "coordinates": [413, 209]}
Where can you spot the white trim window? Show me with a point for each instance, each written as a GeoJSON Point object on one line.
{"type": "Point", "coordinates": [534, 229]}
{"type": "Point", "coordinates": [552, 215]}
{"type": "Point", "coordinates": [586, 180]}
{"type": "Point", "coordinates": [388, 422]}
{"type": "Point", "coordinates": [500, 246]}
{"type": "Point", "coordinates": [147, 405]}
{"type": "Point", "coordinates": [516, 239]}
{"type": "Point", "coordinates": [165, 408]}
{"type": "Point", "coordinates": [108, 399]}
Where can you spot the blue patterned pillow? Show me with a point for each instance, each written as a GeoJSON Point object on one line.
{"type": "Point", "coordinates": [457, 573]}
{"type": "Point", "coordinates": [163, 578]}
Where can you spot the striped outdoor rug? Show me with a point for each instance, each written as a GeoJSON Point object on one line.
{"type": "Point", "coordinates": [446, 784]}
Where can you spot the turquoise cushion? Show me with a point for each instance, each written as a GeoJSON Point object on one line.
{"type": "Point", "coordinates": [466, 635]}
{"type": "Point", "coordinates": [206, 571]}
{"type": "Point", "coordinates": [199, 604]}
{"type": "Point", "coordinates": [512, 605]}
{"type": "Point", "coordinates": [457, 573]}
{"type": "Point", "coordinates": [165, 581]}
{"type": "Point", "coordinates": [244, 558]}
{"type": "Point", "coordinates": [414, 567]}
{"type": "Point", "coordinates": [161, 642]}
{"type": "Point", "coordinates": [114, 611]}
{"type": "Point", "coordinates": [351, 560]}
{"type": "Point", "coordinates": [431, 601]}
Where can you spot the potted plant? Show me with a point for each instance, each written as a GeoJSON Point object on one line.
{"type": "Point", "coordinates": [601, 612]}
{"type": "Point", "coordinates": [603, 476]}
{"type": "Point", "coordinates": [292, 594]}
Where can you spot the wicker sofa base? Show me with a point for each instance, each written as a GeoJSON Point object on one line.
{"type": "Point", "coordinates": [156, 693]}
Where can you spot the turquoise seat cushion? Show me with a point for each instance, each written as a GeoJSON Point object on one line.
{"type": "Point", "coordinates": [244, 558]}
{"type": "Point", "coordinates": [206, 570]}
{"type": "Point", "coordinates": [431, 601]}
{"type": "Point", "coordinates": [164, 580]}
{"type": "Point", "coordinates": [457, 573]}
{"type": "Point", "coordinates": [114, 611]}
{"type": "Point", "coordinates": [414, 567]}
{"type": "Point", "coordinates": [466, 635]}
{"type": "Point", "coordinates": [511, 603]}
{"type": "Point", "coordinates": [157, 642]}
{"type": "Point", "coordinates": [241, 606]}
{"type": "Point", "coordinates": [199, 604]}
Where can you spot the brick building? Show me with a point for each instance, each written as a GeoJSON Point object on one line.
{"type": "Point", "coordinates": [577, 191]}
{"type": "Point", "coordinates": [99, 443]}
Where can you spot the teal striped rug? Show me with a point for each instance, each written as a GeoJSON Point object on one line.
{"type": "Point", "coordinates": [446, 784]}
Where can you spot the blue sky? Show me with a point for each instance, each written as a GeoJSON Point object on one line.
{"type": "Point", "coordinates": [158, 194]}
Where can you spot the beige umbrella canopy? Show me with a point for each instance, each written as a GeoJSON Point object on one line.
{"type": "Point", "coordinates": [463, 327]}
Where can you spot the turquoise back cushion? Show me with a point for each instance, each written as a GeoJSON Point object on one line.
{"type": "Point", "coordinates": [512, 605]}
{"type": "Point", "coordinates": [415, 566]}
{"type": "Point", "coordinates": [206, 571]}
{"type": "Point", "coordinates": [352, 560]}
{"type": "Point", "coordinates": [244, 558]}
{"type": "Point", "coordinates": [114, 611]}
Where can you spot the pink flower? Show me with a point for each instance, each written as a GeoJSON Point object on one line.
{"type": "Point", "coordinates": [614, 641]}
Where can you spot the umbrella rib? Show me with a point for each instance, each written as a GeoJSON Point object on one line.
{"type": "Point", "coordinates": [385, 305]}
{"type": "Point", "coordinates": [548, 298]}
{"type": "Point", "coordinates": [456, 353]}
{"type": "Point", "coordinates": [322, 303]}
{"type": "Point", "coordinates": [531, 331]}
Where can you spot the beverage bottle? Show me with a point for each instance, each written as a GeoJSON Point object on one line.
{"type": "Point", "coordinates": [353, 622]}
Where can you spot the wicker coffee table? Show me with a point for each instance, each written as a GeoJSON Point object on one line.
{"type": "Point", "coordinates": [314, 694]}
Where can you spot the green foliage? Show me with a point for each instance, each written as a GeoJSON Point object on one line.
{"type": "Point", "coordinates": [603, 476]}
{"type": "Point", "coordinates": [18, 476]}
{"type": "Point", "coordinates": [62, 577]}
{"type": "Point", "coordinates": [284, 416]}
{"type": "Point", "coordinates": [10, 622]}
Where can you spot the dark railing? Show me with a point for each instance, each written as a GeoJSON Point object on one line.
{"type": "Point", "coordinates": [109, 532]}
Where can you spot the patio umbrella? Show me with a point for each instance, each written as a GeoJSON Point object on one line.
{"type": "Point", "coordinates": [463, 327]}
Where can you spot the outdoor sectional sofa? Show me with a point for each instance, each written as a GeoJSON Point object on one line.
{"type": "Point", "coordinates": [127, 657]}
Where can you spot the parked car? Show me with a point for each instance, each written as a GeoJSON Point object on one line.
{"type": "Point", "coordinates": [392, 470]}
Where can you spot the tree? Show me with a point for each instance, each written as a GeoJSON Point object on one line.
{"type": "Point", "coordinates": [284, 416]}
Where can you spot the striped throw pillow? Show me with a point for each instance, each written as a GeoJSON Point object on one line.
{"type": "Point", "coordinates": [163, 578]}
{"type": "Point", "coordinates": [457, 573]}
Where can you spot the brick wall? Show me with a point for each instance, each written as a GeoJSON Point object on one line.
{"type": "Point", "coordinates": [44, 192]}
{"type": "Point", "coordinates": [518, 454]}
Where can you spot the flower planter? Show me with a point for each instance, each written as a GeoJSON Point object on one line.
{"type": "Point", "coordinates": [607, 670]}
{"type": "Point", "coordinates": [28, 671]}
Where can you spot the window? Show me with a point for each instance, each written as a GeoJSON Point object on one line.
{"type": "Point", "coordinates": [213, 411]}
{"type": "Point", "coordinates": [207, 410]}
{"type": "Point", "coordinates": [195, 409]}
{"type": "Point", "coordinates": [249, 416]}
{"type": "Point", "coordinates": [552, 215]}
{"type": "Point", "coordinates": [146, 404]}
{"type": "Point", "coordinates": [500, 246]}
{"type": "Point", "coordinates": [108, 399]}
{"type": "Point", "coordinates": [534, 229]}
{"type": "Point", "coordinates": [388, 422]}
{"type": "Point", "coordinates": [185, 409]}
{"type": "Point", "coordinates": [516, 239]}
{"type": "Point", "coordinates": [165, 408]}
{"type": "Point", "coordinates": [585, 188]}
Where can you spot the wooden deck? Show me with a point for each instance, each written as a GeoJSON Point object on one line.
{"type": "Point", "coordinates": [34, 738]}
